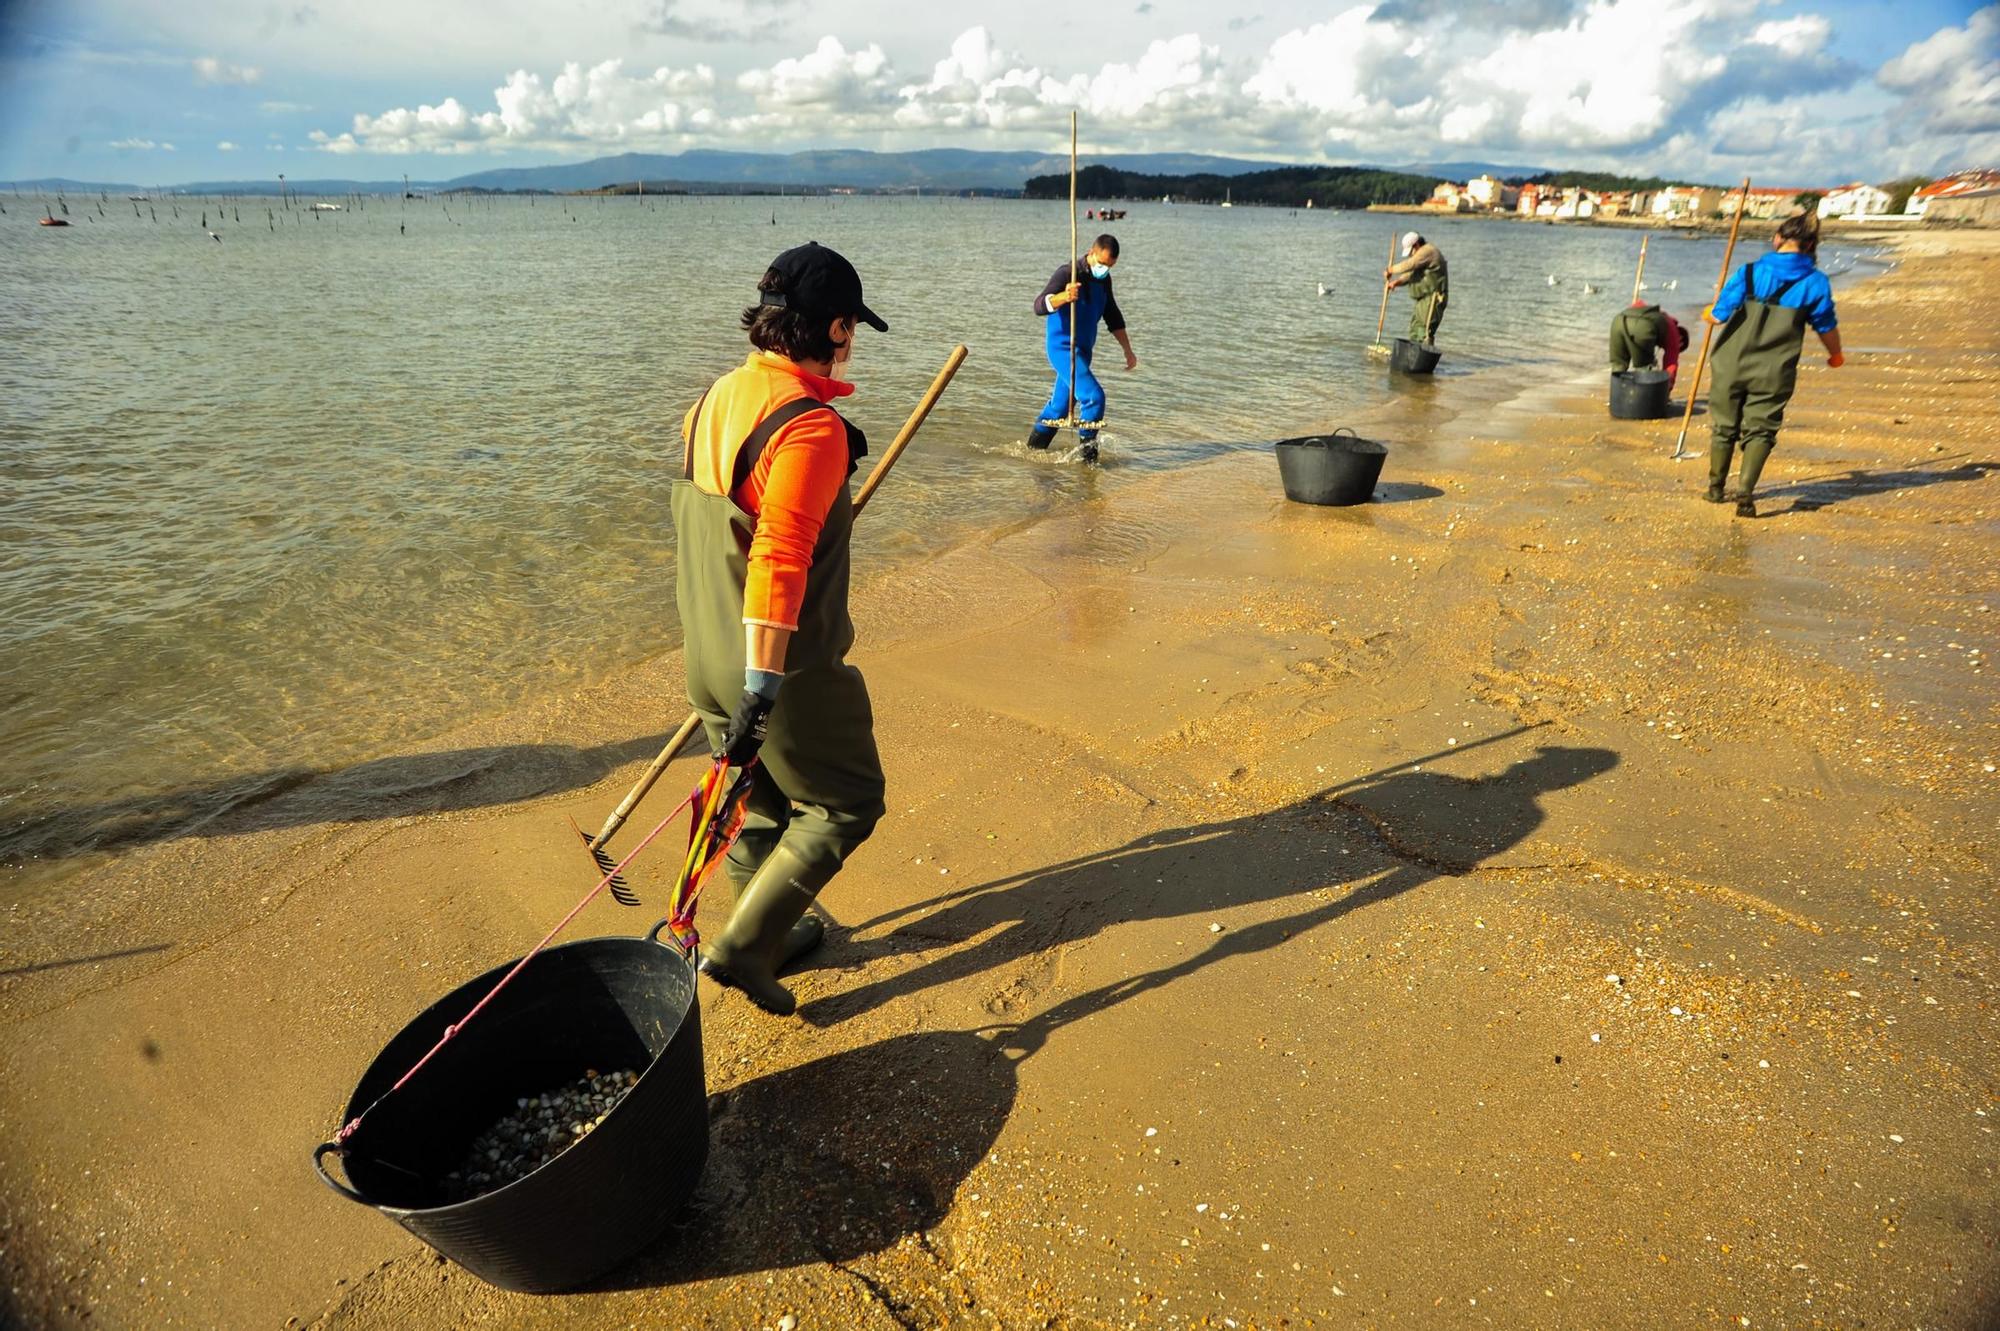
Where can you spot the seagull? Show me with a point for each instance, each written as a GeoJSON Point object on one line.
{"type": "Point", "coordinates": [1673, 284]}
{"type": "Point", "coordinates": [212, 236]}
{"type": "Point", "coordinates": [1552, 279]}
{"type": "Point", "coordinates": [1322, 288]}
{"type": "Point", "coordinates": [1589, 290]}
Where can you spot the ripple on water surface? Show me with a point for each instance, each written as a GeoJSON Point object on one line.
{"type": "Point", "coordinates": [300, 499]}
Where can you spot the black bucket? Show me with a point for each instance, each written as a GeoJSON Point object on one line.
{"type": "Point", "coordinates": [1330, 468]}
{"type": "Point", "coordinates": [614, 1004]}
{"type": "Point", "coordinates": [1414, 357]}
{"type": "Point", "coordinates": [1640, 395]}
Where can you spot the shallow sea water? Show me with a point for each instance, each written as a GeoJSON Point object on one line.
{"type": "Point", "coordinates": [304, 496]}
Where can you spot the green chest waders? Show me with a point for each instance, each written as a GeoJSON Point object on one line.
{"type": "Point", "coordinates": [816, 792]}
{"type": "Point", "coordinates": [1635, 337]}
{"type": "Point", "coordinates": [1756, 365]}
{"type": "Point", "coordinates": [1429, 295]}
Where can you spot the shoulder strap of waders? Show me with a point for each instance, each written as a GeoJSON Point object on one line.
{"type": "Point", "coordinates": [687, 437]}
{"type": "Point", "coordinates": [1782, 291]}
{"type": "Point", "coordinates": [753, 447]}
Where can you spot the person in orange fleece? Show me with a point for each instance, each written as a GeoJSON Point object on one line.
{"type": "Point", "coordinates": [764, 515]}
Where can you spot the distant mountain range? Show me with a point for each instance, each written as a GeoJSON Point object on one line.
{"type": "Point", "coordinates": [932, 169]}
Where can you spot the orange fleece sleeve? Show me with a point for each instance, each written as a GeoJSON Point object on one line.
{"type": "Point", "coordinates": [791, 489]}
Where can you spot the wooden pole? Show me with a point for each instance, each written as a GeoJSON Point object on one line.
{"type": "Point", "coordinates": [1073, 279]}
{"type": "Point", "coordinates": [868, 488]}
{"type": "Point", "coordinates": [1707, 327]}
{"type": "Point", "coordinates": [1639, 278]}
{"type": "Point", "coordinates": [1382, 318]}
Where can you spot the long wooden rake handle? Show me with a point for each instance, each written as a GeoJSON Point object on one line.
{"type": "Point", "coordinates": [868, 488]}
{"type": "Point", "coordinates": [1382, 318]}
{"type": "Point", "coordinates": [1707, 328]}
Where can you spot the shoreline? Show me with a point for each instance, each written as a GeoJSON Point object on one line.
{"type": "Point", "coordinates": [1835, 228]}
{"type": "Point", "coordinates": [1179, 840]}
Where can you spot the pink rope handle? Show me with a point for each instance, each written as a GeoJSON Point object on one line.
{"type": "Point", "coordinates": [459, 1025]}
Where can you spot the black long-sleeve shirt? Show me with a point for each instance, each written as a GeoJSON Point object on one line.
{"type": "Point", "coordinates": [1087, 298]}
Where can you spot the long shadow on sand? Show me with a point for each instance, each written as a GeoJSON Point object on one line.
{"type": "Point", "coordinates": [445, 782]}
{"type": "Point", "coordinates": [1809, 496]}
{"type": "Point", "coordinates": [1430, 822]}
{"type": "Point", "coordinates": [845, 1156]}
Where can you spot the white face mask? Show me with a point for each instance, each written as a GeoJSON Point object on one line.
{"type": "Point", "coordinates": [843, 356]}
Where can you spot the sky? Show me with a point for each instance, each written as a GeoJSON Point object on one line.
{"type": "Point", "coordinates": [1794, 92]}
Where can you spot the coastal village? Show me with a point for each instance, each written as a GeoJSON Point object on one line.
{"type": "Point", "coordinates": [1970, 196]}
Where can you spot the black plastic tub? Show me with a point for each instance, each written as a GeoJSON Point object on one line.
{"type": "Point", "coordinates": [613, 1004]}
{"type": "Point", "coordinates": [1409, 357]}
{"type": "Point", "coordinates": [1640, 395]}
{"type": "Point", "coordinates": [1338, 468]}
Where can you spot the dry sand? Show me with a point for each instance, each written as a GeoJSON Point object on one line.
{"type": "Point", "coordinates": [1538, 899]}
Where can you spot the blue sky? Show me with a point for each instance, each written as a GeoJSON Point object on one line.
{"type": "Point", "coordinates": [1813, 91]}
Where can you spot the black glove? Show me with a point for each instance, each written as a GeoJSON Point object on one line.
{"type": "Point", "coordinates": [747, 725]}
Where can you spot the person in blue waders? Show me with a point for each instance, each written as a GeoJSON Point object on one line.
{"type": "Point", "coordinates": [1064, 304]}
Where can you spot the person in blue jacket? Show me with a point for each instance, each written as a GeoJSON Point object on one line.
{"type": "Point", "coordinates": [1764, 310]}
{"type": "Point", "coordinates": [1064, 304]}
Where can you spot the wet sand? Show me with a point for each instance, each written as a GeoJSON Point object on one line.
{"type": "Point", "coordinates": [1539, 898]}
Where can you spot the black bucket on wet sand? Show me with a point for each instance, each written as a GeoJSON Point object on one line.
{"type": "Point", "coordinates": [612, 1004]}
{"type": "Point", "coordinates": [1640, 395]}
{"type": "Point", "coordinates": [1408, 357]}
{"type": "Point", "coordinates": [1337, 468]}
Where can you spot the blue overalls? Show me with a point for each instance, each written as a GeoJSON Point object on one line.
{"type": "Point", "coordinates": [1089, 309]}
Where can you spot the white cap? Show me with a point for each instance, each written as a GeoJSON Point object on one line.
{"type": "Point", "coordinates": [1410, 239]}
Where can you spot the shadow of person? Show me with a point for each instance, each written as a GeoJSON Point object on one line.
{"type": "Point", "coordinates": [1818, 492]}
{"type": "Point", "coordinates": [444, 782]}
{"type": "Point", "coordinates": [1430, 823]}
{"type": "Point", "coordinates": [845, 1156]}
{"type": "Point", "coordinates": [837, 1158]}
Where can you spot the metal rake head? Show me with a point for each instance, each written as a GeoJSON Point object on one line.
{"type": "Point", "coordinates": [606, 864]}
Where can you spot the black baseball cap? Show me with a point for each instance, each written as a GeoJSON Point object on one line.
{"type": "Point", "coordinates": [815, 280]}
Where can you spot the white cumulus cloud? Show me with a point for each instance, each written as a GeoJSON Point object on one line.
{"type": "Point", "coordinates": [141, 145]}
{"type": "Point", "coordinates": [225, 147]}
{"type": "Point", "coordinates": [599, 107]}
{"type": "Point", "coordinates": [1952, 78]}
{"type": "Point", "coordinates": [1654, 85]}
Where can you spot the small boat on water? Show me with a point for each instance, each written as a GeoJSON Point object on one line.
{"type": "Point", "coordinates": [325, 208]}
{"type": "Point", "coordinates": [53, 221]}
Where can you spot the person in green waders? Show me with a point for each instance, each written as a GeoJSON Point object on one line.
{"type": "Point", "coordinates": [763, 515]}
{"type": "Point", "coordinates": [1644, 337]}
{"type": "Point", "coordinates": [1422, 270]}
{"type": "Point", "coordinates": [1764, 309]}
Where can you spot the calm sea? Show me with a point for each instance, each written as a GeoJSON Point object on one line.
{"type": "Point", "coordinates": [304, 495]}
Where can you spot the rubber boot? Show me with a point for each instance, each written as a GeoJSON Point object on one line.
{"type": "Point", "coordinates": [1720, 454]}
{"type": "Point", "coordinates": [803, 937]}
{"type": "Point", "coordinates": [1040, 437]}
{"type": "Point", "coordinates": [751, 947]}
{"type": "Point", "coordinates": [1756, 452]}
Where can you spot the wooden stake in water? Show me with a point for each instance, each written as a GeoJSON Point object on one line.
{"type": "Point", "coordinates": [1708, 328]}
{"type": "Point", "coordinates": [1639, 279]}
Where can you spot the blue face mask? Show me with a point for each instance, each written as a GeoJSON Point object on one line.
{"type": "Point", "coordinates": [1100, 271]}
